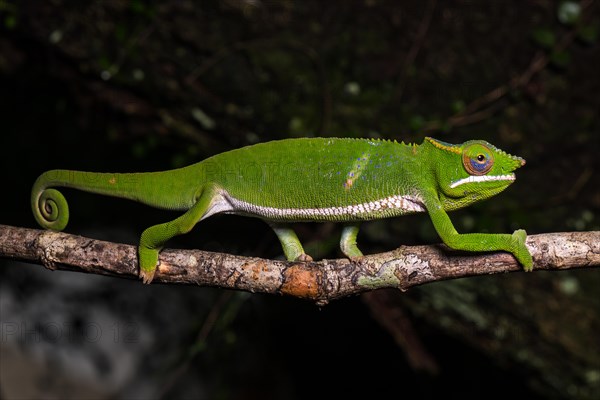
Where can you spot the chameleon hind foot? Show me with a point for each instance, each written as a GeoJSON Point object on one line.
{"type": "Point", "coordinates": [304, 258]}
{"type": "Point", "coordinates": [148, 263]}
{"type": "Point", "coordinates": [356, 259]}
{"type": "Point", "coordinates": [292, 248]}
{"type": "Point", "coordinates": [146, 276]}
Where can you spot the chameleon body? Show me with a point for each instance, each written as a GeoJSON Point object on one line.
{"type": "Point", "coordinates": [307, 179]}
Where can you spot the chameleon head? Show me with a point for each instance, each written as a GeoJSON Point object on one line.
{"type": "Point", "coordinates": [472, 171]}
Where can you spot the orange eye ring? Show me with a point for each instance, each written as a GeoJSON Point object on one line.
{"type": "Point", "coordinates": [479, 163]}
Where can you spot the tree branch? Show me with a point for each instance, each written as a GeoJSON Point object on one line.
{"type": "Point", "coordinates": [320, 281]}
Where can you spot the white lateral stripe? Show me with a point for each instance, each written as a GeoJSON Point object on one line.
{"type": "Point", "coordinates": [483, 178]}
{"type": "Point", "coordinates": [405, 203]}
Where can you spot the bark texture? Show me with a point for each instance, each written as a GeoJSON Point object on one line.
{"type": "Point", "coordinates": [319, 281]}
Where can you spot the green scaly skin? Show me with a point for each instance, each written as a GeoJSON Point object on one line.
{"type": "Point", "coordinates": [309, 179]}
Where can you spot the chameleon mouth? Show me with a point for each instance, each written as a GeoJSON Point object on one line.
{"type": "Point", "coordinates": [482, 178]}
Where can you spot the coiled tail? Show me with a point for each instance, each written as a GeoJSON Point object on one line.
{"type": "Point", "coordinates": [51, 209]}
{"type": "Point", "coordinates": [167, 190]}
{"type": "Point", "coordinates": [49, 206]}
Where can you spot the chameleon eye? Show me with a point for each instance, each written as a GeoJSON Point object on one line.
{"type": "Point", "coordinates": [477, 163]}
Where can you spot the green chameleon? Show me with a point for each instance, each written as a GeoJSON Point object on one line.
{"type": "Point", "coordinates": [307, 179]}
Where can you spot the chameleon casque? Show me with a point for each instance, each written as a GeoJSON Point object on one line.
{"type": "Point", "coordinates": [307, 179]}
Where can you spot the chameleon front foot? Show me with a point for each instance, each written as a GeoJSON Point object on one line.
{"type": "Point", "coordinates": [520, 251]}
{"type": "Point", "coordinates": [348, 243]}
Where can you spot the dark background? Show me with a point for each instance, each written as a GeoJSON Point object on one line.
{"type": "Point", "coordinates": [142, 86]}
